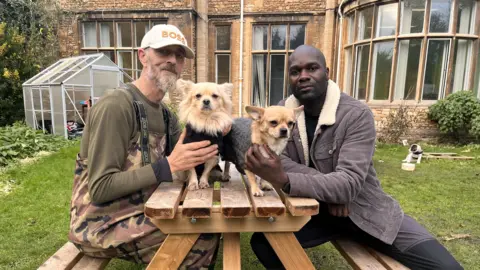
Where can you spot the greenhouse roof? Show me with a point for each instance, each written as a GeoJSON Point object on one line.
{"type": "Point", "coordinates": [64, 69]}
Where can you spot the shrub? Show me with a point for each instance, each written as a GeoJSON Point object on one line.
{"type": "Point", "coordinates": [457, 115]}
{"type": "Point", "coordinates": [397, 124]}
{"type": "Point", "coordinates": [19, 141]}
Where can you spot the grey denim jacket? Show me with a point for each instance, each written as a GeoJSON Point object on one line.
{"type": "Point", "coordinates": [342, 150]}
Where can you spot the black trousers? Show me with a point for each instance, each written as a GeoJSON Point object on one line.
{"type": "Point", "coordinates": [414, 246]}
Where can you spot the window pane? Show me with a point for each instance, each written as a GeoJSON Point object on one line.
{"type": "Point", "coordinates": [125, 62]}
{"type": "Point", "coordinates": [435, 69]}
{"type": "Point", "coordinates": [277, 78]}
{"type": "Point", "coordinates": [361, 70]}
{"type": "Point", "coordinates": [89, 34]}
{"type": "Point", "coordinates": [124, 37]}
{"type": "Point", "coordinates": [466, 16]}
{"type": "Point", "coordinates": [279, 32]}
{"type": "Point", "coordinates": [106, 34]}
{"type": "Point", "coordinates": [260, 37]}
{"type": "Point", "coordinates": [461, 64]}
{"type": "Point", "coordinates": [365, 24]}
{"type": "Point", "coordinates": [350, 29]}
{"type": "Point", "coordinates": [140, 29]}
{"type": "Point", "coordinates": [139, 66]}
{"type": "Point", "coordinates": [412, 14]}
{"type": "Point", "coordinates": [386, 20]}
{"type": "Point", "coordinates": [381, 70]}
{"type": "Point", "coordinates": [297, 36]}
{"type": "Point", "coordinates": [440, 16]}
{"type": "Point", "coordinates": [347, 71]}
{"type": "Point", "coordinates": [110, 55]}
{"type": "Point", "coordinates": [223, 37]}
{"type": "Point", "coordinates": [259, 73]}
{"type": "Point", "coordinates": [223, 68]}
{"type": "Point", "coordinates": [407, 69]}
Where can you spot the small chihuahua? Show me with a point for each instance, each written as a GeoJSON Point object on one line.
{"type": "Point", "coordinates": [206, 109]}
{"type": "Point", "coordinates": [271, 126]}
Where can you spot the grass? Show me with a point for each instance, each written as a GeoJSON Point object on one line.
{"type": "Point", "coordinates": [441, 194]}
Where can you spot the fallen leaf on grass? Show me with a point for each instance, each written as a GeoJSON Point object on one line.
{"type": "Point", "coordinates": [456, 236]}
{"type": "Point", "coordinates": [467, 150]}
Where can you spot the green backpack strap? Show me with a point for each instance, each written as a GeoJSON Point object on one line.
{"type": "Point", "coordinates": [141, 116]}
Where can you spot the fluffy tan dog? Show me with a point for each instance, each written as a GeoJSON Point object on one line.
{"type": "Point", "coordinates": [206, 110]}
{"type": "Point", "coordinates": [271, 126]}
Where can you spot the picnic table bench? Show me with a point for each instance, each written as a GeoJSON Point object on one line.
{"type": "Point", "coordinates": [229, 210]}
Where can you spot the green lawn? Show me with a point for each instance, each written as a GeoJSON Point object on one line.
{"type": "Point", "coordinates": [440, 194]}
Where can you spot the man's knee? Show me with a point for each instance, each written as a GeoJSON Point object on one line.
{"type": "Point", "coordinates": [258, 241]}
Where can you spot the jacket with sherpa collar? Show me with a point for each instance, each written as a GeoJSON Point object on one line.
{"type": "Point", "coordinates": [342, 150]}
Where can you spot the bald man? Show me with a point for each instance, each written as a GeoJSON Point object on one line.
{"type": "Point", "coordinates": [330, 159]}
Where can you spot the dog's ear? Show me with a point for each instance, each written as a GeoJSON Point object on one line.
{"type": "Point", "coordinates": [298, 111]}
{"type": "Point", "coordinates": [227, 88]}
{"type": "Point", "coordinates": [255, 113]}
{"type": "Point", "coordinates": [184, 86]}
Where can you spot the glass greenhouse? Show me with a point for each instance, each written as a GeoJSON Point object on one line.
{"type": "Point", "coordinates": [63, 92]}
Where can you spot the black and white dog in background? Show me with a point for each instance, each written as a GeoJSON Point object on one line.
{"type": "Point", "coordinates": [415, 152]}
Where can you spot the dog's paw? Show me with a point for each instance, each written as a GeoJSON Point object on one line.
{"type": "Point", "coordinates": [264, 185]}
{"type": "Point", "coordinates": [193, 186]}
{"type": "Point", "coordinates": [257, 192]}
{"type": "Point", "coordinates": [204, 184]}
{"type": "Point", "coordinates": [225, 178]}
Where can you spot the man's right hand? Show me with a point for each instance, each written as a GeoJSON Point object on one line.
{"type": "Point", "coordinates": [187, 156]}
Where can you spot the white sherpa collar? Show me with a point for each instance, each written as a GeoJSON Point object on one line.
{"type": "Point", "coordinates": [327, 115]}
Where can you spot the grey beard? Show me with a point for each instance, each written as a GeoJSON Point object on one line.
{"type": "Point", "coordinates": [166, 83]}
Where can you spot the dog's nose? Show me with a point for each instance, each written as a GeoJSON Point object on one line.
{"type": "Point", "coordinates": [206, 101]}
{"type": "Point", "coordinates": [283, 132]}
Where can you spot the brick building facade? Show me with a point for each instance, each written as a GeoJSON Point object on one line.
{"type": "Point", "coordinates": [386, 52]}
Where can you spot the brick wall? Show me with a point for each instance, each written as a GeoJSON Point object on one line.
{"type": "Point", "coordinates": [124, 4]}
{"type": "Point", "coordinates": [423, 128]}
{"type": "Point", "coordinates": [233, 6]}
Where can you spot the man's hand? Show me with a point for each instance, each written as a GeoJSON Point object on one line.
{"type": "Point", "coordinates": [187, 156]}
{"type": "Point", "coordinates": [338, 210]}
{"type": "Point", "coordinates": [268, 168]}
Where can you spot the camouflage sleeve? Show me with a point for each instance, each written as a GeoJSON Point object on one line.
{"type": "Point", "coordinates": [111, 127]}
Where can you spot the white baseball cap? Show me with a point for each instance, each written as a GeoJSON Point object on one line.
{"type": "Point", "coordinates": [162, 35]}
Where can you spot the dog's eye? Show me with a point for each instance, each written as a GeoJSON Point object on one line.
{"type": "Point", "coordinates": [198, 96]}
{"type": "Point", "coordinates": [273, 123]}
{"type": "Point", "coordinates": [290, 124]}
{"type": "Point", "coordinates": [215, 96]}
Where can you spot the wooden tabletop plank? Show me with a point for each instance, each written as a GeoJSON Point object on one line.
{"type": "Point", "coordinates": [233, 196]}
{"type": "Point", "coordinates": [269, 205]}
{"type": "Point", "coordinates": [299, 206]}
{"type": "Point", "coordinates": [164, 201]}
{"type": "Point", "coordinates": [198, 203]}
{"type": "Point", "coordinates": [65, 258]}
{"type": "Point", "coordinates": [356, 255]}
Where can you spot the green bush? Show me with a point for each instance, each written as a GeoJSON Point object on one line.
{"type": "Point", "coordinates": [19, 141]}
{"type": "Point", "coordinates": [457, 115]}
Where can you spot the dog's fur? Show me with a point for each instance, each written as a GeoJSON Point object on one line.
{"type": "Point", "coordinates": [207, 109]}
{"type": "Point", "coordinates": [271, 126]}
{"type": "Point", "coordinates": [414, 152]}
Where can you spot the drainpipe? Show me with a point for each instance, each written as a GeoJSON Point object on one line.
{"type": "Point", "coordinates": [240, 79]}
{"type": "Point", "coordinates": [339, 41]}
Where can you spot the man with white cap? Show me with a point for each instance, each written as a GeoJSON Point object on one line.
{"type": "Point", "coordinates": [129, 146]}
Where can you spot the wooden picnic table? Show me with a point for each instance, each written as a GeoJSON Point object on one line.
{"type": "Point", "coordinates": [230, 210]}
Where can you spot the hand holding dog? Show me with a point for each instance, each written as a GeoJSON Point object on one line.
{"type": "Point", "coordinates": [268, 168]}
{"type": "Point", "coordinates": [187, 156]}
